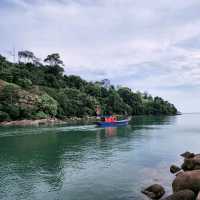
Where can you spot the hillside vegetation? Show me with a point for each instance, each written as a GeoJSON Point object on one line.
{"type": "Point", "coordinates": [33, 90]}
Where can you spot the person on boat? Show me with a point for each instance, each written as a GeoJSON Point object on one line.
{"type": "Point", "coordinates": [110, 119]}
{"type": "Point", "coordinates": [114, 119]}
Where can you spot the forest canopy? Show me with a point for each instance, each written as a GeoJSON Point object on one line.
{"type": "Point", "coordinates": [34, 89]}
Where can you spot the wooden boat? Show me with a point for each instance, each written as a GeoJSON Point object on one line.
{"type": "Point", "coordinates": [116, 123]}
{"type": "Point", "coordinates": [110, 121]}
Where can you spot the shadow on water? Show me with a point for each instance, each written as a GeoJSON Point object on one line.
{"type": "Point", "coordinates": [35, 161]}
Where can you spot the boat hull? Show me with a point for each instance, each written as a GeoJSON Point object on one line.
{"type": "Point", "coordinates": [113, 124]}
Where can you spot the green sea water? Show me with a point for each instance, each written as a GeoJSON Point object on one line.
{"type": "Point", "coordinates": [91, 163]}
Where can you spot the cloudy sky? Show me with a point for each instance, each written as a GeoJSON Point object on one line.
{"type": "Point", "coordinates": [148, 45]}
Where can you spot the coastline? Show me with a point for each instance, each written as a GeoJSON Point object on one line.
{"type": "Point", "coordinates": [87, 120]}
{"type": "Point", "coordinates": [50, 121]}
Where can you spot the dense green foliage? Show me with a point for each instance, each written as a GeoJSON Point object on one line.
{"type": "Point", "coordinates": [31, 90]}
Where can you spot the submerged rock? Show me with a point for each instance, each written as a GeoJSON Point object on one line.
{"type": "Point", "coordinates": [187, 180]}
{"type": "Point", "coordinates": [181, 195]}
{"type": "Point", "coordinates": [155, 191]}
{"type": "Point", "coordinates": [174, 169]}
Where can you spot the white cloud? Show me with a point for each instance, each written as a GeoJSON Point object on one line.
{"type": "Point", "coordinates": [143, 44]}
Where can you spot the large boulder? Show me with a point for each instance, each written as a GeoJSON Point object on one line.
{"type": "Point", "coordinates": [187, 180]}
{"type": "Point", "coordinates": [155, 191]}
{"type": "Point", "coordinates": [181, 195]}
{"type": "Point", "coordinates": [192, 163]}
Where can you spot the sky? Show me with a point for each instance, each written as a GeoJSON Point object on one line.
{"type": "Point", "coordinates": [147, 45]}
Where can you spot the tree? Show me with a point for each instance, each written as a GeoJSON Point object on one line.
{"type": "Point", "coordinates": [4, 66]}
{"type": "Point", "coordinates": [54, 60]}
{"type": "Point", "coordinates": [9, 94]}
{"type": "Point", "coordinates": [8, 99]}
{"type": "Point", "coordinates": [73, 81]}
{"type": "Point", "coordinates": [2, 59]}
{"type": "Point", "coordinates": [115, 104]}
{"type": "Point", "coordinates": [4, 116]}
{"type": "Point", "coordinates": [26, 56]}
{"type": "Point", "coordinates": [44, 91]}
{"type": "Point", "coordinates": [37, 61]}
{"type": "Point", "coordinates": [127, 95]}
{"type": "Point", "coordinates": [55, 64]}
{"type": "Point", "coordinates": [93, 89]}
{"type": "Point", "coordinates": [25, 83]}
{"type": "Point", "coordinates": [105, 83]}
{"type": "Point", "coordinates": [48, 105]}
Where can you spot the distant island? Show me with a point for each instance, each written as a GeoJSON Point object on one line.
{"type": "Point", "coordinates": [35, 89]}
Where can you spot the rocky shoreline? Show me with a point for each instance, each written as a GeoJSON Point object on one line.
{"type": "Point", "coordinates": [185, 186]}
{"type": "Point", "coordinates": [50, 121]}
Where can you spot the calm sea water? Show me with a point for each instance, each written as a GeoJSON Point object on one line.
{"type": "Point", "coordinates": [90, 163]}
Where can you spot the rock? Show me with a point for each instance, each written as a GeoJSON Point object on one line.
{"type": "Point", "coordinates": [192, 163]}
{"type": "Point", "coordinates": [32, 122]}
{"type": "Point", "coordinates": [187, 180]}
{"type": "Point", "coordinates": [174, 169]}
{"type": "Point", "coordinates": [182, 195]}
{"type": "Point", "coordinates": [187, 154]}
{"type": "Point", "coordinates": [198, 196]}
{"type": "Point", "coordinates": [155, 191]}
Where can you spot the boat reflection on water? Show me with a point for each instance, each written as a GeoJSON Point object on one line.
{"type": "Point", "coordinates": [111, 131]}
